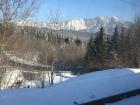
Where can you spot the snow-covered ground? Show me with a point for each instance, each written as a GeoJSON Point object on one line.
{"type": "Point", "coordinates": [13, 75]}
{"type": "Point", "coordinates": [82, 89]}
{"type": "Point", "coordinates": [135, 100]}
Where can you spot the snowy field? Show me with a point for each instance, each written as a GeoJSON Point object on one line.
{"type": "Point", "coordinates": [12, 75]}
{"type": "Point", "coordinates": [82, 89]}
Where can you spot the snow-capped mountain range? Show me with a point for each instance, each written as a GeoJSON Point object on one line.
{"type": "Point", "coordinates": [87, 25]}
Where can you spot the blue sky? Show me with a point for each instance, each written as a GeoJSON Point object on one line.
{"type": "Point", "coordinates": [75, 9]}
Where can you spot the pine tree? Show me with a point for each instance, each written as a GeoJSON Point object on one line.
{"type": "Point", "coordinates": [121, 47]}
{"type": "Point", "coordinates": [115, 40]}
{"type": "Point", "coordinates": [108, 45]}
{"type": "Point", "coordinates": [100, 48]}
{"type": "Point", "coordinates": [97, 50]}
{"type": "Point", "coordinates": [89, 52]}
{"type": "Point", "coordinates": [115, 47]}
{"type": "Point", "coordinates": [66, 40]}
{"type": "Point", "coordinates": [78, 41]}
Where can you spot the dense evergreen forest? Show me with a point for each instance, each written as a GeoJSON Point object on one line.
{"type": "Point", "coordinates": [121, 49]}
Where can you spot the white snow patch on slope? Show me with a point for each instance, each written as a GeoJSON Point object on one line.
{"type": "Point", "coordinates": [77, 24]}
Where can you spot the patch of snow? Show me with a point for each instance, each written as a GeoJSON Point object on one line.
{"type": "Point", "coordinates": [77, 24]}
{"type": "Point", "coordinates": [13, 75]}
{"type": "Point", "coordinates": [84, 88]}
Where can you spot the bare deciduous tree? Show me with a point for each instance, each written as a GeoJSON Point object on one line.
{"type": "Point", "coordinates": [11, 12]}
